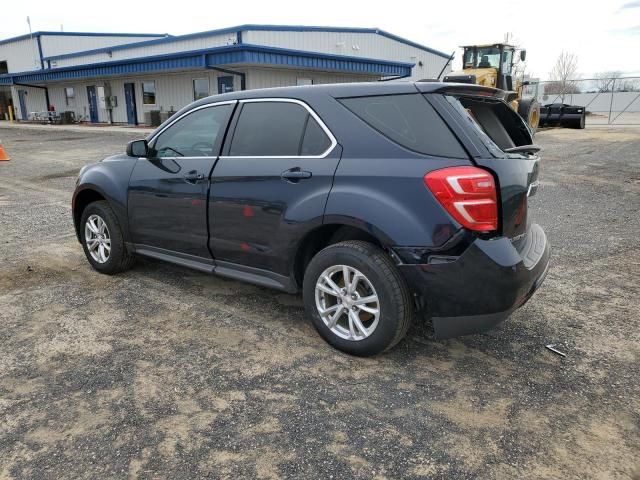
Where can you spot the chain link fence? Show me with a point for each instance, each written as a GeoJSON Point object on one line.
{"type": "Point", "coordinates": [607, 101]}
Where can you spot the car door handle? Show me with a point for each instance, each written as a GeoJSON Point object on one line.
{"type": "Point", "coordinates": [295, 174]}
{"type": "Point", "coordinates": [193, 176]}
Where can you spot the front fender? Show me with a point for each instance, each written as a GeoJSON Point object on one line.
{"type": "Point", "coordinates": [110, 179]}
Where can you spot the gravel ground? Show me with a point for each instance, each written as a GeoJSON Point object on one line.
{"type": "Point", "coordinates": [163, 372]}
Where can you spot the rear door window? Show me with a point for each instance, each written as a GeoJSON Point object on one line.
{"type": "Point", "coordinates": [277, 129]}
{"type": "Point", "coordinates": [408, 120]}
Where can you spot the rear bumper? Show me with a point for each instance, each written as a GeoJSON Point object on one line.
{"type": "Point", "coordinates": [480, 288]}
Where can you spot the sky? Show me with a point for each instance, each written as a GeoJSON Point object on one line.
{"type": "Point", "coordinates": [605, 35]}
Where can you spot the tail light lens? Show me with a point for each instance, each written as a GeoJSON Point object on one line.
{"type": "Point", "coordinates": [468, 194]}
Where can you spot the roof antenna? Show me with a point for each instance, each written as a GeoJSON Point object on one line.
{"type": "Point", "coordinates": [445, 65]}
{"type": "Point", "coordinates": [61, 28]}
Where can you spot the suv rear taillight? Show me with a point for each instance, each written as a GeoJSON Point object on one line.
{"type": "Point", "coordinates": [468, 194]}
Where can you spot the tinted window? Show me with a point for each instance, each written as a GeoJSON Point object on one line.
{"type": "Point", "coordinates": [194, 135]}
{"type": "Point", "coordinates": [149, 93]}
{"type": "Point", "coordinates": [315, 141]}
{"type": "Point", "coordinates": [408, 120]}
{"type": "Point", "coordinates": [269, 128]}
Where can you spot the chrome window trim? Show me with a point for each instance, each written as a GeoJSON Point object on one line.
{"type": "Point", "coordinates": [313, 114]}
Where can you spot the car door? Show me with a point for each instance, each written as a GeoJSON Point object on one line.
{"type": "Point", "coordinates": [271, 183]}
{"type": "Point", "coordinates": [167, 200]}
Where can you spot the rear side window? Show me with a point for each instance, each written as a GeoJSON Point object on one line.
{"type": "Point", "coordinates": [408, 120]}
{"type": "Point", "coordinates": [277, 129]}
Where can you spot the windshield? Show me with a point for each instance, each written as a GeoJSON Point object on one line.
{"type": "Point", "coordinates": [482, 57]}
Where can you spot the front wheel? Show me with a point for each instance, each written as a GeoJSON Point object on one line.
{"type": "Point", "coordinates": [356, 298]}
{"type": "Point", "coordinates": [102, 239]}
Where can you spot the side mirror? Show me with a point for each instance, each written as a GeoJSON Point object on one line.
{"type": "Point", "coordinates": [523, 55]}
{"type": "Point", "coordinates": [138, 148]}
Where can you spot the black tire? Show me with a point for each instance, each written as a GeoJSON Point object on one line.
{"type": "Point", "coordinates": [529, 110]}
{"type": "Point", "coordinates": [395, 302]}
{"type": "Point", "coordinates": [119, 258]}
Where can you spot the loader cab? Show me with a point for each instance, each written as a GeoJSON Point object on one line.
{"type": "Point", "coordinates": [493, 62]}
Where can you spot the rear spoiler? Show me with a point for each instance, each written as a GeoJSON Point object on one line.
{"type": "Point", "coordinates": [465, 89]}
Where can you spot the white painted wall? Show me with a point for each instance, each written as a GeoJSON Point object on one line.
{"type": "Point", "coordinates": [21, 56]}
{"type": "Point", "coordinates": [367, 45]}
{"type": "Point", "coordinates": [62, 44]}
{"type": "Point", "coordinates": [598, 102]}
{"type": "Point", "coordinates": [148, 50]}
{"type": "Point", "coordinates": [173, 91]}
{"type": "Point", "coordinates": [280, 77]}
{"type": "Point", "coordinates": [35, 100]}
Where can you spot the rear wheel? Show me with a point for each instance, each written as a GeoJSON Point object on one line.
{"type": "Point", "coordinates": [356, 298]}
{"type": "Point", "coordinates": [529, 110]}
{"type": "Point", "coordinates": [102, 239]}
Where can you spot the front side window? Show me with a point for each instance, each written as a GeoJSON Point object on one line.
{"type": "Point", "coordinates": [70, 95]}
{"type": "Point", "coordinates": [200, 88]}
{"type": "Point", "coordinates": [194, 135]}
{"type": "Point", "coordinates": [277, 129]}
{"type": "Point", "coordinates": [149, 93]}
{"type": "Point", "coordinates": [408, 120]}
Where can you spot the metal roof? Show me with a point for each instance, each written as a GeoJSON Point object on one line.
{"type": "Point", "coordinates": [79, 34]}
{"type": "Point", "coordinates": [227, 55]}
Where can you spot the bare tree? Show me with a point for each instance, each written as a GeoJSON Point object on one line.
{"type": "Point", "coordinates": [563, 75]}
{"type": "Point", "coordinates": [605, 80]}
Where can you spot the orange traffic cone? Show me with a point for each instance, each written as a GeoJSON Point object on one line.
{"type": "Point", "coordinates": [3, 153]}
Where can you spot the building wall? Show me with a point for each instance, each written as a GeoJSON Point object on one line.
{"type": "Point", "coordinates": [62, 44]}
{"type": "Point", "coordinates": [35, 100]}
{"type": "Point", "coordinates": [367, 45]}
{"type": "Point", "coordinates": [21, 55]}
{"type": "Point", "coordinates": [275, 77]}
{"type": "Point", "coordinates": [173, 91]}
{"type": "Point", "coordinates": [147, 50]}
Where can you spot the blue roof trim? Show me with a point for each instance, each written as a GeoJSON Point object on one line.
{"type": "Point", "coordinates": [240, 28]}
{"type": "Point", "coordinates": [80, 34]}
{"type": "Point", "coordinates": [232, 54]}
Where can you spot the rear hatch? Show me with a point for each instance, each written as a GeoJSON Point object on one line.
{"type": "Point", "coordinates": [498, 140]}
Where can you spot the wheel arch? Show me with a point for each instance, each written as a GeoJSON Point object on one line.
{"type": "Point", "coordinates": [81, 199]}
{"type": "Point", "coordinates": [328, 234]}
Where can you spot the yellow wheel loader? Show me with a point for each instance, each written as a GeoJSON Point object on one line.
{"type": "Point", "coordinates": [492, 66]}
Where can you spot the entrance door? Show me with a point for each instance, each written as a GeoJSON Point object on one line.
{"type": "Point", "coordinates": [225, 84]}
{"type": "Point", "coordinates": [93, 103]}
{"type": "Point", "coordinates": [168, 190]}
{"type": "Point", "coordinates": [130, 99]}
{"type": "Point", "coordinates": [23, 104]}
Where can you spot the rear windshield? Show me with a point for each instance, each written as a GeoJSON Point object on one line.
{"type": "Point", "coordinates": [497, 124]}
{"type": "Point", "coordinates": [408, 120]}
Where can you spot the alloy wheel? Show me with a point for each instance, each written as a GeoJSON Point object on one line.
{"type": "Point", "coordinates": [97, 239]}
{"type": "Point", "coordinates": [347, 302]}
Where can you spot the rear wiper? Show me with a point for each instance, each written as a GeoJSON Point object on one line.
{"type": "Point", "coordinates": [523, 149]}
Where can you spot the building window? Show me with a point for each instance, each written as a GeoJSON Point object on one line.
{"type": "Point", "coordinates": [304, 81]}
{"type": "Point", "coordinates": [200, 88]}
{"type": "Point", "coordinates": [69, 95]}
{"type": "Point", "coordinates": [4, 68]}
{"type": "Point", "coordinates": [149, 93]}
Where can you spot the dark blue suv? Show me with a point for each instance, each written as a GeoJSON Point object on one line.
{"type": "Point", "coordinates": [378, 201]}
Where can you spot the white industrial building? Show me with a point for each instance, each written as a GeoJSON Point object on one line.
{"type": "Point", "coordinates": [122, 78]}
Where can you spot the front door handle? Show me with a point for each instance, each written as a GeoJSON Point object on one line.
{"type": "Point", "coordinates": [193, 176]}
{"type": "Point", "coordinates": [295, 174]}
